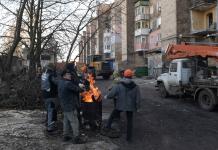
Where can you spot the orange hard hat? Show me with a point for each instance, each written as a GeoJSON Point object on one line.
{"type": "Point", "coordinates": [128, 73]}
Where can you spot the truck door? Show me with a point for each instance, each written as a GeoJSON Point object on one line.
{"type": "Point", "coordinates": [173, 74]}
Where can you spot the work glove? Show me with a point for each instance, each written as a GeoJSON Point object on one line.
{"type": "Point", "coordinates": [81, 85]}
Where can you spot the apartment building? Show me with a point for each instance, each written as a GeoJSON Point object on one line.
{"type": "Point", "coordinates": [103, 11]}
{"type": "Point", "coordinates": [142, 30]}
{"type": "Point", "coordinates": [204, 17]}
{"type": "Point", "coordinates": [154, 55]}
{"type": "Point", "coordinates": [92, 41]}
{"type": "Point", "coordinates": [116, 29]}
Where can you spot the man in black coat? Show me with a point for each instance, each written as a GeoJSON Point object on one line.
{"type": "Point", "coordinates": [68, 94]}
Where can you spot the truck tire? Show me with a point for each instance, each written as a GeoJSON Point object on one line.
{"type": "Point", "coordinates": [163, 91]}
{"type": "Point", "coordinates": [207, 100]}
{"type": "Point", "coordinates": [106, 77]}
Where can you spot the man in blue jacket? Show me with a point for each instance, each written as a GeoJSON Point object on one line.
{"type": "Point", "coordinates": [68, 94]}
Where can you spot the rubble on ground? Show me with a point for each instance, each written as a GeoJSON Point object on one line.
{"type": "Point", "coordinates": [26, 130]}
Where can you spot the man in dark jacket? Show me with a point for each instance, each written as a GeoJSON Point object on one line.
{"type": "Point", "coordinates": [49, 94]}
{"type": "Point", "coordinates": [68, 94]}
{"type": "Point", "coordinates": [128, 100]}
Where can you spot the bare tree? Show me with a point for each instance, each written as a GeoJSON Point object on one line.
{"type": "Point", "coordinates": [40, 21]}
{"type": "Point", "coordinates": [17, 32]}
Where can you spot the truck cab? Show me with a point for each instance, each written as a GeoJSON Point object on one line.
{"type": "Point", "coordinates": [179, 73]}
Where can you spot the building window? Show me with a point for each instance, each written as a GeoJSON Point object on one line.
{"type": "Point", "coordinates": [108, 47]}
{"type": "Point", "coordinates": [144, 24]}
{"type": "Point", "coordinates": [143, 39]}
{"type": "Point", "coordinates": [151, 10]}
{"type": "Point", "coordinates": [209, 19]}
{"type": "Point", "coordinates": [158, 22]}
{"type": "Point", "coordinates": [138, 25]}
{"type": "Point", "coordinates": [143, 10]}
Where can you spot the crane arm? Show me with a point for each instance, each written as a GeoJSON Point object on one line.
{"type": "Point", "coordinates": [177, 51]}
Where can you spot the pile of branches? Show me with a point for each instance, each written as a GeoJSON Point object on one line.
{"type": "Point", "coordinates": [21, 93]}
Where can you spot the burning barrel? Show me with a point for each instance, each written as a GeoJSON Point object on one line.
{"type": "Point", "coordinates": [91, 105]}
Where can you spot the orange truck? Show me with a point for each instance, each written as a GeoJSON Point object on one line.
{"type": "Point", "coordinates": [189, 73]}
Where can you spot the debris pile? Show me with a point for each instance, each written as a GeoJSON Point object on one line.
{"type": "Point", "coordinates": [20, 93]}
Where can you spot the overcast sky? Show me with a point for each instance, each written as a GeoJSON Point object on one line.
{"type": "Point", "coordinates": [7, 17]}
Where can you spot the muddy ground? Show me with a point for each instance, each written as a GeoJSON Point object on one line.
{"type": "Point", "coordinates": [25, 130]}
{"type": "Point", "coordinates": [161, 124]}
{"type": "Point", "coordinates": [169, 124]}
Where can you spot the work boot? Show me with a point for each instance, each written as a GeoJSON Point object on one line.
{"type": "Point", "coordinates": [79, 140]}
{"type": "Point", "coordinates": [66, 138]}
{"type": "Point", "coordinates": [105, 130]}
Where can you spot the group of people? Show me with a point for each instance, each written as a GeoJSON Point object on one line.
{"type": "Point", "coordinates": [67, 89]}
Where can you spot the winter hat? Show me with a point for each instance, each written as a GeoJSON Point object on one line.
{"type": "Point", "coordinates": [128, 73]}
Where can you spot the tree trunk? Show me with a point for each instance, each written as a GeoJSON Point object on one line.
{"type": "Point", "coordinates": [17, 37]}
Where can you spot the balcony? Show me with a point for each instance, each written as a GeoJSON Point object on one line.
{"type": "Point", "coordinates": [142, 17]}
{"type": "Point", "coordinates": [205, 31]}
{"type": "Point", "coordinates": [202, 5]}
{"type": "Point", "coordinates": [141, 47]}
{"type": "Point", "coordinates": [142, 3]}
{"type": "Point", "coordinates": [107, 51]}
{"type": "Point", "coordinates": [144, 31]}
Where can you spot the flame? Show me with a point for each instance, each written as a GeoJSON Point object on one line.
{"type": "Point", "coordinates": [93, 94]}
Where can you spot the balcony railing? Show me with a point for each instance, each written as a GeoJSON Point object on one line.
{"type": "Point", "coordinates": [142, 17]}
{"type": "Point", "coordinates": [144, 31]}
{"type": "Point", "coordinates": [204, 31]}
{"type": "Point", "coordinates": [142, 3]}
{"type": "Point", "coordinates": [141, 47]}
{"type": "Point", "coordinates": [203, 5]}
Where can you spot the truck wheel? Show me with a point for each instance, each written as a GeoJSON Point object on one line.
{"type": "Point", "coordinates": [163, 91]}
{"type": "Point", "coordinates": [106, 77]}
{"type": "Point", "coordinates": [207, 100]}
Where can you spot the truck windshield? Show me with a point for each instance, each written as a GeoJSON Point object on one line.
{"type": "Point", "coordinates": [187, 64]}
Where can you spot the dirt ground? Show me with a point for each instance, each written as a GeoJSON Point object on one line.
{"type": "Point", "coordinates": [161, 124]}
{"type": "Point", "coordinates": [169, 124]}
{"type": "Point", "coordinates": [25, 130]}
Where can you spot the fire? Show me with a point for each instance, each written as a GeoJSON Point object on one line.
{"type": "Point", "coordinates": [93, 94]}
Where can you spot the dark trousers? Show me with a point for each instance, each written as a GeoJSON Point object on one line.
{"type": "Point", "coordinates": [129, 116]}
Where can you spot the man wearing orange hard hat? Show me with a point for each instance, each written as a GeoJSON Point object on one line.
{"type": "Point", "coordinates": [128, 100]}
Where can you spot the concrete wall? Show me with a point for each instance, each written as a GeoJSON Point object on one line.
{"type": "Point", "coordinates": [155, 65]}
{"type": "Point", "coordinates": [169, 22]}
{"type": "Point", "coordinates": [154, 41]}
{"type": "Point", "coordinates": [183, 17]}
{"type": "Point", "coordinates": [128, 28]}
